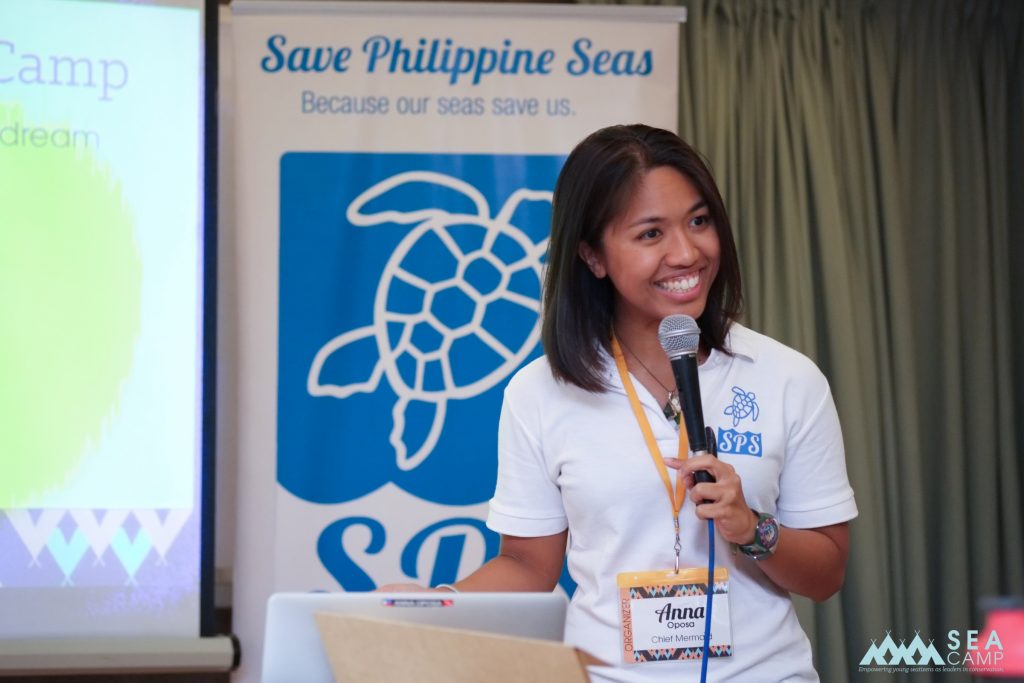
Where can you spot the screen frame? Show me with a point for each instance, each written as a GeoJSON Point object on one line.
{"type": "Point", "coordinates": [208, 466]}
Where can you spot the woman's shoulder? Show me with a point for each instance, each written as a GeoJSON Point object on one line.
{"type": "Point", "coordinates": [771, 355]}
{"type": "Point", "coordinates": [536, 380]}
{"type": "Point", "coordinates": [533, 376]}
{"type": "Point", "coordinates": [533, 392]}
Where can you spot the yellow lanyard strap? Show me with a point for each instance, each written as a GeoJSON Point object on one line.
{"type": "Point", "coordinates": [676, 497]}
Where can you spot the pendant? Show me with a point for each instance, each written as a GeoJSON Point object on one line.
{"type": "Point", "coordinates": [672, 408]}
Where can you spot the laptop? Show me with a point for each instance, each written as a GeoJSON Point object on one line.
{"type": "Point", "coordinates": [293, 651]}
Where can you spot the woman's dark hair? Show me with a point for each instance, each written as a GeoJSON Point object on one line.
{"type": "Point", "coordinates": [594, 187]}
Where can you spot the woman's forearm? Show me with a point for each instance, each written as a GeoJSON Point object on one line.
{"type": "Point", "coordinates": [522, 564]}
{"type": "Point", "coordinates": [809, 562]}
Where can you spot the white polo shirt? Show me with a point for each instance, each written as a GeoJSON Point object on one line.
{"type": "Point", "coordinates": [570, 458]}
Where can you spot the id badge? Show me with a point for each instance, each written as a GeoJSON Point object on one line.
{"type": "Point", "coordinates": [663, 615]}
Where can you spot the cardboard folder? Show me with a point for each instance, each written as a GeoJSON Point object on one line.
{"type": "Point", "coordinates": [363, 650]}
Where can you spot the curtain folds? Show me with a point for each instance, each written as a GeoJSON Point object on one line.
{"type": "Point", "coordinates": [871, 154]}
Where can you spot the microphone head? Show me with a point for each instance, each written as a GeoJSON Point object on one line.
{"type": "Point", "coordinates": [679, 335]}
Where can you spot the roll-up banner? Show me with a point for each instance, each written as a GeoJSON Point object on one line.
{"type": "Point", "coordinates": [394, 170]}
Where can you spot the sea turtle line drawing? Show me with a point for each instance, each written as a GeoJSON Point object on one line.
{"type": "Point", "coordinates": [414, 345]}
{"type": "Point", "coordinates": [744, 404]}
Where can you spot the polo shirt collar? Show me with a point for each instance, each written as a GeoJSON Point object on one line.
{"type": "Point", "coordinates": [741, 341]}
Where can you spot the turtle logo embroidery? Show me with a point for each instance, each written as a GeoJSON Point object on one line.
{"type": "Point", "coordinates": [744, 404]}
{"type": "Point", "coordinates": [421, 320]}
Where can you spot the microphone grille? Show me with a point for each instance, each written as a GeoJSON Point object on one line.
{"type": "Point", "coordinates": [679, 335]}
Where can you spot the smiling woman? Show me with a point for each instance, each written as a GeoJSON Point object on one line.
{"type": "Point", "coordinates": [661, 253]}
{"type": "Point", "coordinates": [639, 236]}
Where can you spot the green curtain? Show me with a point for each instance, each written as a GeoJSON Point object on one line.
{"type": "Point", "coordinates": [872, 159]}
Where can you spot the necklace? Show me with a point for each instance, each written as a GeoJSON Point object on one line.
{"type": "Point", "coordinates": [671, 409]}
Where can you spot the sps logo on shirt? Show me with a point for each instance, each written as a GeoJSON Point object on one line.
{"type": "Point", "coordinates": [744, 406]}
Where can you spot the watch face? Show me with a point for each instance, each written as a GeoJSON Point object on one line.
{"type": "Point", "coordinates": [767, 532]}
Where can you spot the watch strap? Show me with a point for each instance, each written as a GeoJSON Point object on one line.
{"type": "Point", "coordinates": [766, 537]}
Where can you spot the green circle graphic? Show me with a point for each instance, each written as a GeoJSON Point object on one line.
{"type": "Point", "coordinates": [70, 279]}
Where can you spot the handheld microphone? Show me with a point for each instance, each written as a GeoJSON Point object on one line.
{"type": "Point", "coordinates": [680, 337]}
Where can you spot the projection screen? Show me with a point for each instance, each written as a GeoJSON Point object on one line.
{"type": "Point", "coordinates": [102, 318]}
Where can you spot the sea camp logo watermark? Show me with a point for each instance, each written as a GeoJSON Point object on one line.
{"type": "Point", "coordinates": [970, 653]}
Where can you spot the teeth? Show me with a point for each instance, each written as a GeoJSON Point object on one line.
{"type": "Point", "coordinates": [683, 284]}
